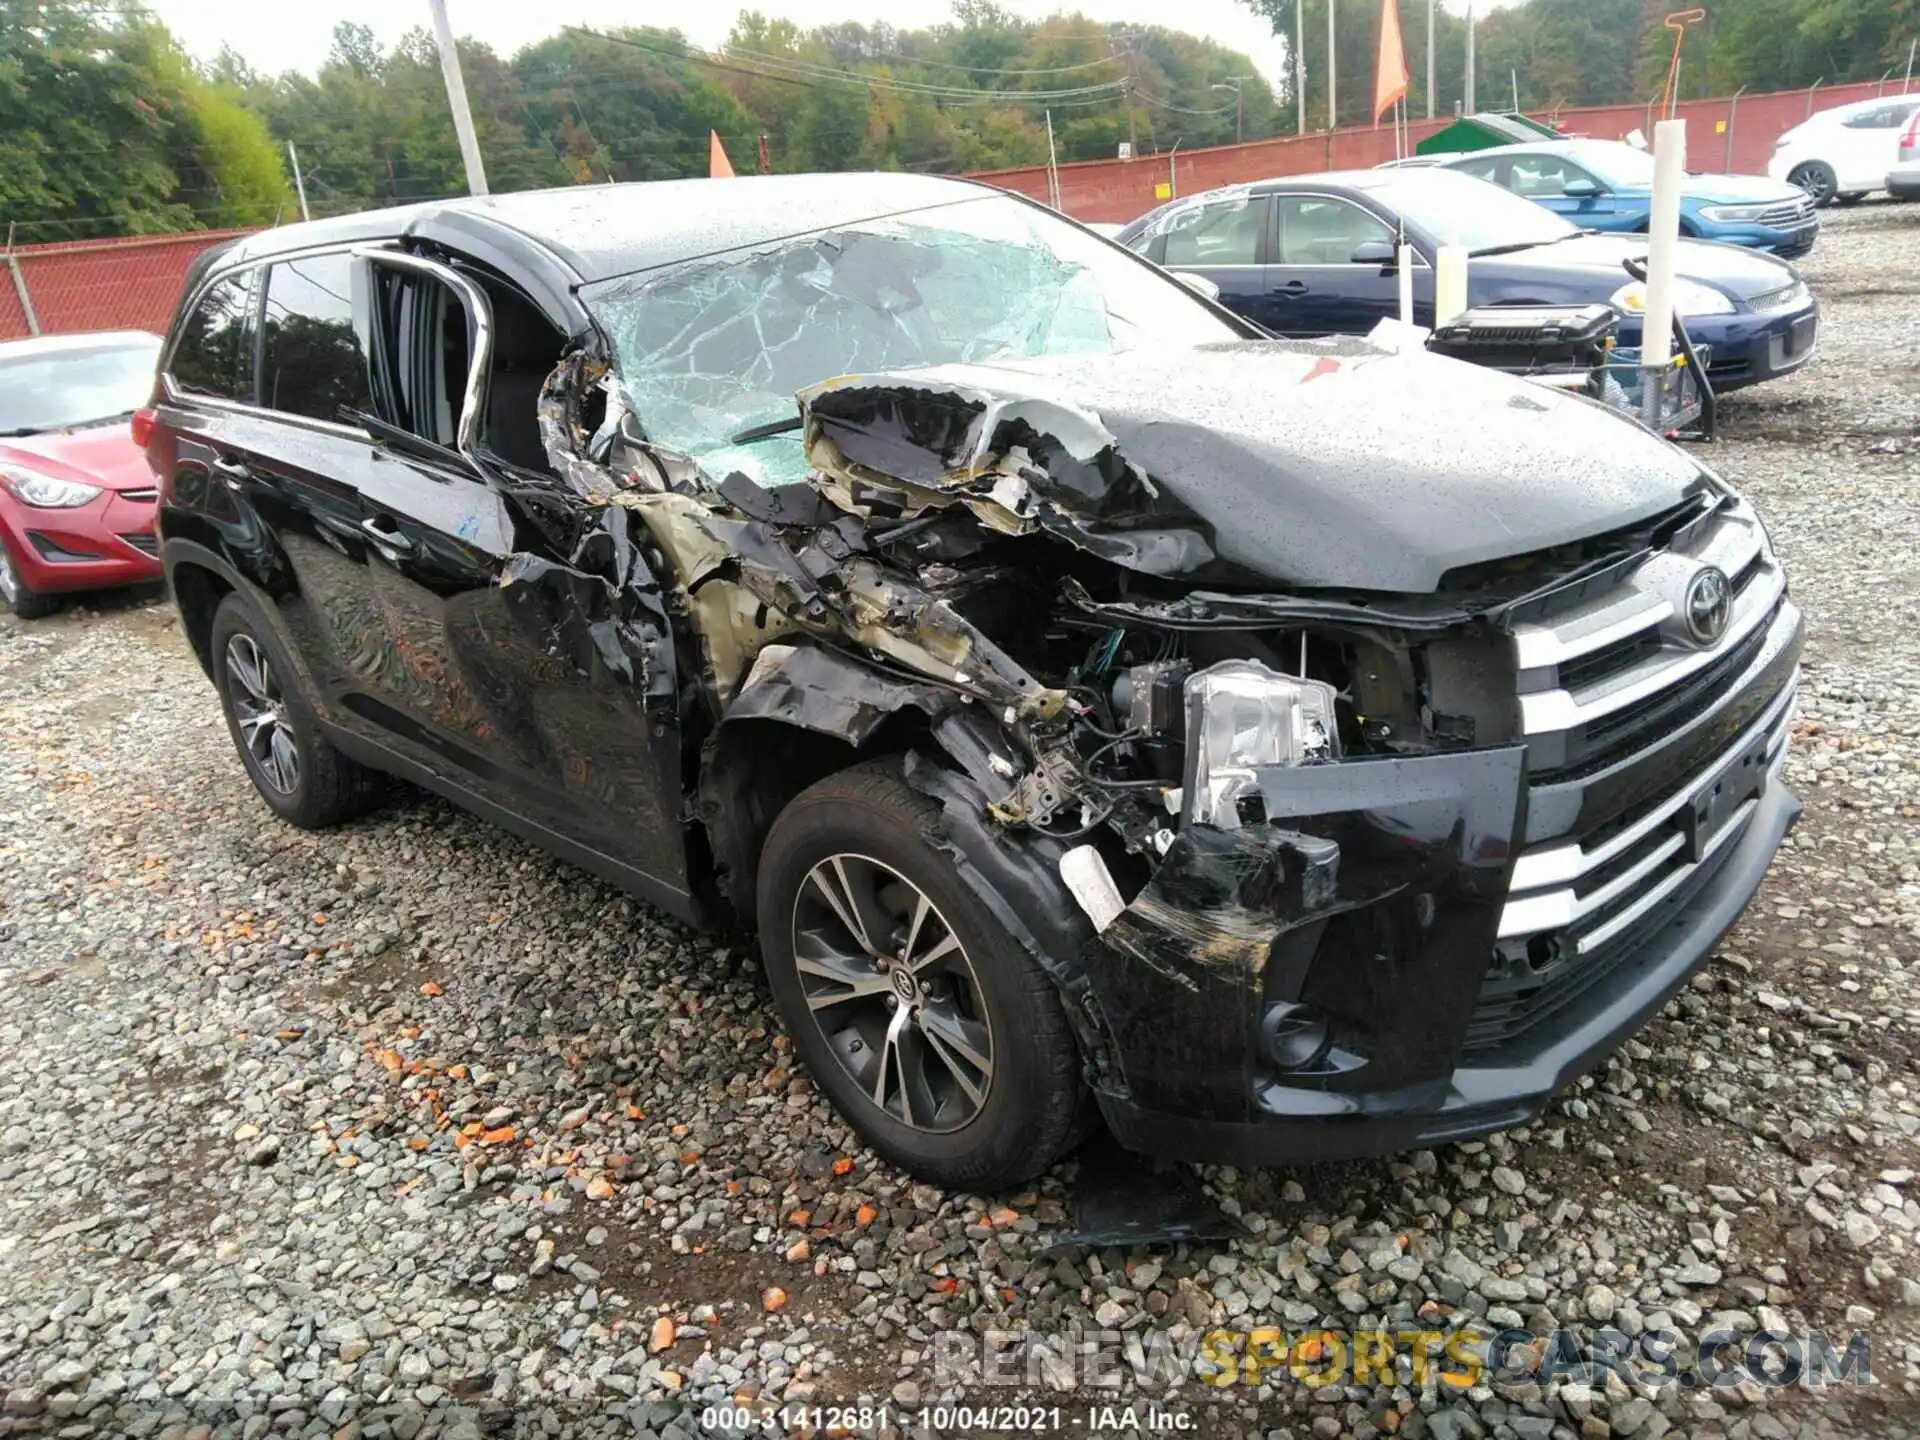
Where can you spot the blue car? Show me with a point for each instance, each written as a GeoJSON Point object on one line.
{"type": "Point", "coordinates": [1605, 185]}
{"type": "Point", "coordinates": [1314, 255]}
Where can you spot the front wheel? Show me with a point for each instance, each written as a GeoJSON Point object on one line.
{"type": "Point", "coordinates": [929, 1028]}
{"type": "Point", "coordinates": [27, 604]}
{"type": "Point", "coordinates": [1816, 177]}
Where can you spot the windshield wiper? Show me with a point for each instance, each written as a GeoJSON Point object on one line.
{"type": "Point", "coordinates": [784, 426]}
{"type": "Point", "coordinates": [1519, 245]}
{"type": "Point", "coordinates": [16, 434]}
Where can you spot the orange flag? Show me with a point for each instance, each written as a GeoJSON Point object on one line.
{"type": "Point", "coordinates": [720, 168]}
{"type": "Point", "coordinates": [1390, 75]}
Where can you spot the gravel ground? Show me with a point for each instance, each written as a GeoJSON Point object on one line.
{"type": "Point", "coordinates": [409, 1130]}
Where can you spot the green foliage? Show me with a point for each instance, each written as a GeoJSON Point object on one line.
{"type": "Point", "coordinates": [111, 130]}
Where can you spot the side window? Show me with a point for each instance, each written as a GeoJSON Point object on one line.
{"type": "Point", "coordinates": [214, 355]}
{"type": "Point", "coordinates": [1487, 169]}
{"type": "Point", "coordinates": [421, 355]}
{"type": "Point", "coordinates": [1543, 176]}
{"type": "Point", "coordinates": [1315, 230]}
{"type": "Point", "coordinates": [1223, 234]}
{"type": "Point", "coordinates": [313, 358]}
{"type": "Point", "coordinates": [1883, 117]}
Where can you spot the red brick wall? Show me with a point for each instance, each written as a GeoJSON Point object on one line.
{"type": "Point", "coordinates": [1122, 190]}
{"type": "Point", "coordinates": [125, 284]}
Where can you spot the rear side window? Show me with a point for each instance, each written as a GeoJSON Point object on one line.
{"type": "Point", "coordinates": [1223, 234]}
{"type": "Point", "coordinates": [313, 358]}
{"type": "Point", "coordinates": [214, 355]}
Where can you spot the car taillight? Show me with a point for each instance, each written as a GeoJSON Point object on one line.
{"type": "Point", "coordinates": [1910, 137]}
{"type": "Point", "coordinates": [143, 426]}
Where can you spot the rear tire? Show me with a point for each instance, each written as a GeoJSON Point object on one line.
{"type": "Point", "coordinates": [14, 594]}
{"type": "Point", "coordinates": [303, 779]}
{"type": "Point", "coordinates": [1816, 177]}
{"type": "Point", "coordinates": [896, 981]}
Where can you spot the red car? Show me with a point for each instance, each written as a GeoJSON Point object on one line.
{"type": "Point", "coordinates": [76, 496]}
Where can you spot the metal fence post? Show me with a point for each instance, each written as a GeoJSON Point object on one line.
{"type": "Point", "coordinates": [1733, 113]}
{"type": "Point", "coordinates": [20, 285]}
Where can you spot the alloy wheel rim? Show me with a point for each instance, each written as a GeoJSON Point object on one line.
{"type": "Point", "coordinates": [260, 712]}
{"type": "Point", "coordinates": [1815, 184]}
{"type": "Point", "coordinates": [9, 582]}
{"type": "Point", "coordinates": [893, 992]}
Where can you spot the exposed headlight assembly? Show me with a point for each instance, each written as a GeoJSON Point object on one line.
{"type": "Point", "coordinates": [48, 492]}
{"type": "Point", "coordinates": [1242, 717]}
{"type": "Point", "coordinates": [1690, 297]}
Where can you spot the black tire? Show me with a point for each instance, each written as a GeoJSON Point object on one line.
{"type": "Point", "coordinates": [1031, 1112]}
{"type": "Point", "coordinates": [322, 787]}
{"type": "Point", "coordinates": [14, 594]}
{"type": "Point", "coordinates": [1816, 177]}
{"type": "Point", "coordinates": [1850, 197]}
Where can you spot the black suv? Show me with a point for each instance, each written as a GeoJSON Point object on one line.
{"type": "Point", "coordinates": [1278, 750]}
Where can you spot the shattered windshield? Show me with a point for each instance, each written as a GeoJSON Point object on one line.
{"type": "Point", "coordinates": [709, 353]}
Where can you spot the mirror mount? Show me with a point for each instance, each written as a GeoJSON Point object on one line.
{"type": "Point", "coordinates": [1582, 190]}
{"type": "Point", "coordinates": [1376, 252]}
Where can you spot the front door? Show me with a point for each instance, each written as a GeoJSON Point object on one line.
{"type": "Point", "coordinates": [1315, 285]}
{"type": "Point", "coordinates": [513, 667]}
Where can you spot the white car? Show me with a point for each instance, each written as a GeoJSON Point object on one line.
{"type": "Point", "coordinates": [1903, 181]}
{"type": "Point", "coordinates": [1845, 152]}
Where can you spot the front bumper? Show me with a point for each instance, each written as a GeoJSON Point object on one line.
{"type": "Point", "coordinates": [106, 543]}
{"type": "Point", "coordinates": [1492, 1091]}
{"type": "Point", "coordinates": [1787, 244]}
{"type": "Point", "coordinates": [1750, 348]}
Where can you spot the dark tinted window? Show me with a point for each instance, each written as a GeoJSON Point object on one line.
{"type": "Point", "coordinates": [312, 359]}
{"type": "Point", "coordinates": [215, 353]}
{"type": "Point", "coordinates": [1224, 234]}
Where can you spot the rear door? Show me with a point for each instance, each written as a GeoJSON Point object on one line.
{"type": "Point", "coordinates": [1223, 240]}
{"type": "Point", "coordinates": [1316, 287]}
{"type": "Point", "coordinates": [500, 662]}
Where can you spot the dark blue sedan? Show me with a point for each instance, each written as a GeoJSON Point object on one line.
{"type": "Point", "coordinates": [1314, 255]}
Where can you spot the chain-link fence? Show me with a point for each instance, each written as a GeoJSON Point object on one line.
{"type": "Point", "coordinates": [1736, 134]}
{"type": "Point", "coordinates": [125, 284]}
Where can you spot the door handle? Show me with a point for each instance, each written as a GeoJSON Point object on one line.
{"type": "Point", "coordinates": [1292, 287]}
{"type": "Point", "coordinates": [378, 527]}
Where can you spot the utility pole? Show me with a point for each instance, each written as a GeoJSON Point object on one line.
{"type": "Point", "coordinates": [1469, 106]}
{"type": "Point", "coordinates": [299, 185]}
{"type": "Point", "coordinates": [1233, 85]}
{"type": "Point", "coordinates": [1431, 71]}
{"type": "Point", "coordinates": [457, 99]}
{"type": "Point", "coordinates": [1300, 67]}
{"type": "Point", "coordinates": [1333, 109]}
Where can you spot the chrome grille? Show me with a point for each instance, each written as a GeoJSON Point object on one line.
{"type": "Point", "coordinates": [1787, 213]}
{"type": "Point", "coordinates": [140, 497]}
{"type": "Point", "coordinates": [1611, 686]}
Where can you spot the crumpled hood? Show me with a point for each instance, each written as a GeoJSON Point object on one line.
{"type": "Point", "coordinates": [1266, 463]}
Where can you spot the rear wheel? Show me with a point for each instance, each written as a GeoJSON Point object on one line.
{"type": "Point", "coordinates": [934, 1034]}
{"type": "Point", "coordinates": [1816, 177]}
{"type": "Point", "coordinates": [25, 603]}
{"type": "Point", "coordinates": [303, 779]}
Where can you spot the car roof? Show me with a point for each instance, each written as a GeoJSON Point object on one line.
{"type": "Point", "coordinates": [602, 231]}
{"type": "Point", "coordinates": [1537, 147]}
{"type": "Point", "coordinates": [84, 340]}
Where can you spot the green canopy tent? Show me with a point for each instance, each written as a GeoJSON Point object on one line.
{"type": "Point", "coordinates": [1484, 131]}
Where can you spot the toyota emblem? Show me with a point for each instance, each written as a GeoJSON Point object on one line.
{"type": "Point", "coordinates": [1709, 604]}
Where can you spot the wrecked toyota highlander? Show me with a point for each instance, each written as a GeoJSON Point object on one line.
{"type": "Point", "coordinates": [1275, 750]}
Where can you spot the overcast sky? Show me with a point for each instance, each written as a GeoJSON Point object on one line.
{"type": "Point", "coordinates": [276, 37]}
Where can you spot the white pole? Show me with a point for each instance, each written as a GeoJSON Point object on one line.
{"type": "Point", "coordinates": [1431, 71]}
{"type": "Point", "coordinates": [1515, 76]}
{"type": "Point", "coordinates": [1663, 244]}
{"type": "Point", "coordinates": [1468, 108]}
{"type": "Point", "coordinates": [1907, 84]}
{"type": "Point", "coordinates": [1299, 67]}
{"type": "Point", "coordinates": [1173, 175]}
{"type": "Point", "coordinates": [1053, 172]}
{"type": "Point", "coordinates": [1404, 258]}
{"type": "Point", "coordinates": [1333, 116]}
{"type": "Point", "coordinates": [457, 99]}
{"type": "Point", "coordinates": [299, 185]}
{"type": "Point", "coordinates": [1449, 283]}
